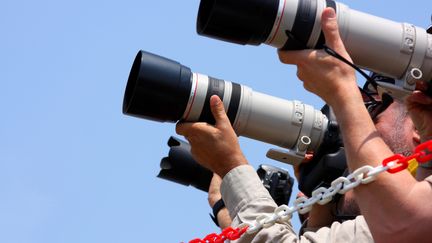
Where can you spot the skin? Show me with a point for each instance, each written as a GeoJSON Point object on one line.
{"type": "Point", "coordinates": [393, 203]}
{"type": "Point", "coordinates": [420, 109]}
{"type": "Point", "coordinates": [214, 147]}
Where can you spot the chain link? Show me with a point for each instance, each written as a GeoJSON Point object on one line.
{"type": "Point", "coordinates": [228, 233]}
{"type": "Point", "coordinates": [322, 195]}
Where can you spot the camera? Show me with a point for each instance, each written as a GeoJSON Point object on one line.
{"type": "Point", "coordinates": [398, 50]}
{"type": "Point", "coordinates": [180, 167]}
{"type": "Point", "coordinates": [277, 181]}
{"type": "Point", "coordinates": [163, 90]}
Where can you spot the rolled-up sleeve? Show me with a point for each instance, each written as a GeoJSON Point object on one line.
{"type": "Point", "coordinates": [246, 198]}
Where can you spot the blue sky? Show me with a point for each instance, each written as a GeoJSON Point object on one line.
{"type": "Point", "coordinates": [73, 168]}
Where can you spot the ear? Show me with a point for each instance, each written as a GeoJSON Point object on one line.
{"type": "Point", "coordinates": [416, 134]}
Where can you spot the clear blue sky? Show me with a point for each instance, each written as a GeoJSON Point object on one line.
{"type": "Point", "coordinates": [73, 168]}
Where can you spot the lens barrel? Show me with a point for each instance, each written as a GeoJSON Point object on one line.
{"type": "Point", "coordinates": [157, 89]}
{"type": "Point", "coordinates": [376, 44]}
{"type": "Point", "coordinates": [164, 90]}
{"type": "Point", "coordinates": [239, 21]}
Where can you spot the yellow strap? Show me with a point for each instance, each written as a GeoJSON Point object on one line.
{"type": "Point", "coordinates": [412, 167]}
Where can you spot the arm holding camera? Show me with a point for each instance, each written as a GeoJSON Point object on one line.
{"type": "Point", "coordinates": [216, 147]}
{"type": "Point", "coordinates": [393, 202]}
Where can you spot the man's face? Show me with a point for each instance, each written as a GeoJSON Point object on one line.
{"type": "Point", "coordinates": [397, 129]}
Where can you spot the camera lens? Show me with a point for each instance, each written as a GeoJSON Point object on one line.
{"type": "Point", "coordinates": [256, 21]}
{"type": "Point", "coordinates": [163, 90]}
{"type": "Point", "coordinates": [239, 21]}
{"type": "Point", "coordinates": [157, 88]}
{"type": "Point", "coordinates": [374, 43]}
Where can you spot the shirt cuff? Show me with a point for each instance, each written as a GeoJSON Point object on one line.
{"type": "Point", "coordinates": [240, 186]}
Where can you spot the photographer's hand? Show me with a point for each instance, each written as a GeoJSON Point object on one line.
{"type": "Point", "coordinates": [297, 168]}
{"type": "Point", "coordinates": [214, 147]}
{"type": "Point", "coordinates": [322, 74]}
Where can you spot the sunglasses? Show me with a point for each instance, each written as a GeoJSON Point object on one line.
{"type": "Point", "coordinates": [375, 107]}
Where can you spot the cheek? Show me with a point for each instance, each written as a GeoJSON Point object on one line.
{"type": "Point", "coordinates": [388, 129]}
{"type": "Point", "coordinates": [383, 128]}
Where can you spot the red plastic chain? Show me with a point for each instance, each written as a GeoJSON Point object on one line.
{"type": "Point", "coordinates": [422, 154]}
{"type": "Point", "coordinates": [425, 156]}
{"type": "Point", "coordinates": [227, 234]}
{"type": "Point", "coordinates": [399, 159]}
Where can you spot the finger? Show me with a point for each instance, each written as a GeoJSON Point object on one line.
{"type": "Point", "coordinates": [182, 128]}
{"type": "Point", "coordinates": [331, 30]}
{"type": "Point", "coordinates": [418, 97]}
{"type": "Point", "coordinates": [218, 110]}
{"type": "Point", "coordinates": [308, 157]}
{"type": "Point", "coordinates": [422, 85]}
{"type": "Point", "coordinates": [291, 57]}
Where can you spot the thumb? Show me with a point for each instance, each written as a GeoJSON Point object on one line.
{"type": "Point", "coordinates": [331, 30]}
{"type": "Point", "coordinates": [218, 110]}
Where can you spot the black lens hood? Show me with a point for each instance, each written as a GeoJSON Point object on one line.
{"type": "Point", "coordinates": [157, 89]}
{"type": "Point", "coordinates": [237, 21]}
{"type": "Point", "coordinates": [180, 167]}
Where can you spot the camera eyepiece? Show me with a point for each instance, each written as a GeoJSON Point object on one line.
{"type": "Point", "coordinates": [157, 89]}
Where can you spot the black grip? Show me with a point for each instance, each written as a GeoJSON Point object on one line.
{"type": "Point", "coordinates": [322, 171]}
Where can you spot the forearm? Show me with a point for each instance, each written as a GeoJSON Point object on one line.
{"type": "Point", "coordinates": [387, 202]}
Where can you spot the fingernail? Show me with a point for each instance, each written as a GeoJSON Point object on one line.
{"type": "Point", "coordinates": [217, 101]}
{"type": "Point", "coordinates": [331, 14]}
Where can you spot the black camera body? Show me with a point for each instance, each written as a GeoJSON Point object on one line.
{"type": "Point", "coordinates": [328, 162]}
{"type": "Point", "coordinates": [277, 181]}
{"type": "Point", "coordinates": [180, 167]}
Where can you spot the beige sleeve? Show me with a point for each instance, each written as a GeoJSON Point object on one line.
{"type": "Point", "coordinates": [246, 198]}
